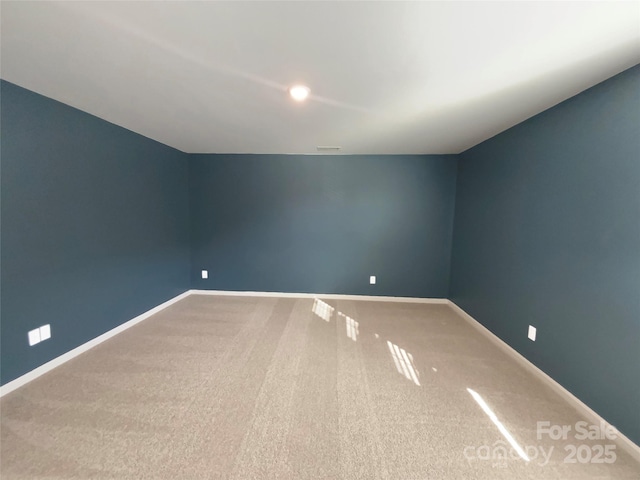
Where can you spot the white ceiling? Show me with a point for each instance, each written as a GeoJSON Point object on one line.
{"type": "Point", "coordinates": [385, 77]}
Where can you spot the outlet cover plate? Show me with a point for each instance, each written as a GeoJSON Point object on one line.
{"type": "Point", "coordinates": [34, 337]}
{"type": "Point", "coordinates": [45, 332]}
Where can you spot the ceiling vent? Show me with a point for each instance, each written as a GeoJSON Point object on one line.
{"type": "Point", "coordinates": [328, 148]}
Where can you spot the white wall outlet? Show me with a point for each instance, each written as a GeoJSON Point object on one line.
{"type": "Point", "coordinates": [372, 279]}
{"type": "Point", "coordinates": [39, 334]}
{"type": "Point", "coordinates": [205, 274]}
{"type": "Point", "coordinates": [34, 337]}
{"type": "Point", "coordinates": [45, 332]}
{"type": "Point", "coordinates": [532, 333]}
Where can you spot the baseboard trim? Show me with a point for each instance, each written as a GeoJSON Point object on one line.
{"type": "Point", "coordinates": [623, 441]}
{"type": "Point", "coordinates": [628, 445]}
{"type": "Point", "coordinates": [328, 296]}
{"type": "Point", "coordinates": [65, 357]}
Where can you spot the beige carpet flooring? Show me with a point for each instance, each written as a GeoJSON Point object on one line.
{"type": "Point", "coordinates": [250, 388]}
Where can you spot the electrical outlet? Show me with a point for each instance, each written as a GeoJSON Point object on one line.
{"type": "Point", "coordinates": [39, 334]}
{"type": "Point", "coordinates": [532, 333]}
{"type": "Point", "coordinates": [372, 279]}
{"type": "Point", "coordinates": [34, 337]}
{"type": "Point", "coordinates": [45, 332]}
{"type": "Point", "coordinates": [205, 274]}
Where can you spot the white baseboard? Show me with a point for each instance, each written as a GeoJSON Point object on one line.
{"type": "Point", "coordinates": [624, 442]}
{"type": "Point", "coordinates": [50, 365]}
{"type": "Point", "coordinates": [328, 296]}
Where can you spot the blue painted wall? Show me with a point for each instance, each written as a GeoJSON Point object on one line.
{"type": "Point", "coordinates": [94, 226]}
{"type": "Point", "coordinates": [547, 232]}
{"type": "Point", "coordinates": [322, 223]}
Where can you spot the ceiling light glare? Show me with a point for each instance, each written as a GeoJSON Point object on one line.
{"type": "Point", "coordinates": [299, 92]}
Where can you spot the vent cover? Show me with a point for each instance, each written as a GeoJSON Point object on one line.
{"type": "Point", "coordinates": [328, 148]}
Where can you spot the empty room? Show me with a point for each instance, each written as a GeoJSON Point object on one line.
{"type": "Point", "coordinates": [320, 240]}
